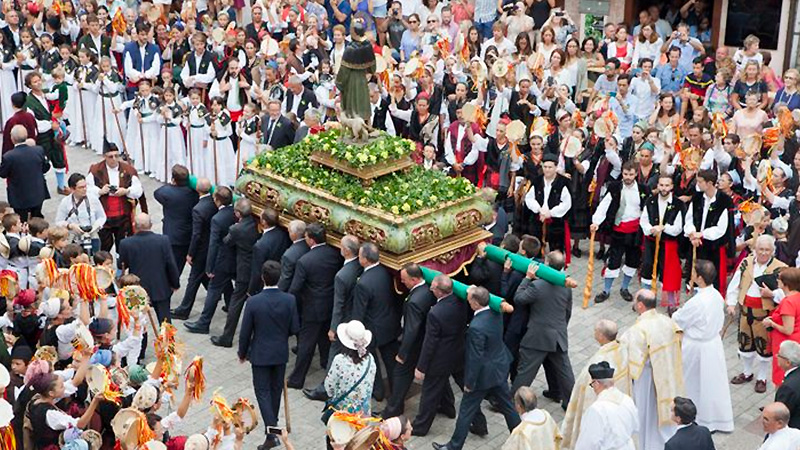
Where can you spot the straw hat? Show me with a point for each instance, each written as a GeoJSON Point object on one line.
{"type": "Point", "coordinates": [6, 413]}
{"type": "Point", "coordinates": [353, 335]}
{"type": "Point", "coordinates": [196, 442]}
{"type": "Point", "coordinates": [515, 131]}
{"type": "Point", "coordinates": [145, 397]}
{"type": "Point", "coordinates": [570, 146]}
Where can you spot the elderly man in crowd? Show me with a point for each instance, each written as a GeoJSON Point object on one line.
{"type": "Point", "coordinates": [775, 421]}
{"type": "Point", "coordinates": [537, 429]}
{"type": "Point", "coordinates": [788, 392]}
{"type": "Point", "coordinates": [24, 168]}
{"type": "Point", "coordinates": [613, 419]}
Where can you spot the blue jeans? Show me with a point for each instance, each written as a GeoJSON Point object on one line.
{"type": "Point", "coordinates": [485, 29]}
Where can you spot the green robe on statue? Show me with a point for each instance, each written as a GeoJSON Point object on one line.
{"type": "Point", "coordinates": [357, 61]}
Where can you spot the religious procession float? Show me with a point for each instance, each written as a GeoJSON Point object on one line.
{"type": "Point", "coordinates": [372, 189]}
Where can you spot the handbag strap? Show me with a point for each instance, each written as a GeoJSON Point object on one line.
{"type": "Point", "coordinates": [354, 386]}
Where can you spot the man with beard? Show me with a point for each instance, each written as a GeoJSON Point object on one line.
{"type": "Point", "coordinates": [662, 219]}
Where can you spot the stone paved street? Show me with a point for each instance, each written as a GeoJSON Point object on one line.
{"type": "Point", "coordinates": [232, 379]}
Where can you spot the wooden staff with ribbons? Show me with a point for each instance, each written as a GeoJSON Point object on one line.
{"type": "Point", "coordinates": [286, 415]}
{"type": "Point", "coordinates": [587, 288]}
{"type": "Point", "coordinates": [694, 271]}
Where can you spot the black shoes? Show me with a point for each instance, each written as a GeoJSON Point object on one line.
{"type": "Point", "coordinates": [178, 314]}
{"type": "Point", "coordinates": [217, 340]}
{"type": "Point", "coordinates": [626, 295]}
{"type": "Point", "coordinates": [270, 442]}
{"type": "Point", "coordinates": [437, 446]}
{"type": "Point", "coordinates": [193, 327]}
{"type": "Point", "coordinates": [554, 396]}
{"type": "Point", "coordinates": [601, 297]}
{"type": "Point", "coordinates": [315, 394]}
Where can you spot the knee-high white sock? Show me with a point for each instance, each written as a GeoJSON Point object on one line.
{"type": "Point", "coordinates": [747, 362]}
{"type": "Point", "coordinates": [764, 365]}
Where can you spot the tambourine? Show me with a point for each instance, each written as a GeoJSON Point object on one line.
{"type": "Point", "coordinates": [751, 145]}
{"type": "Point", "coordinates": [364, 438]}
{"type": "Point", "coordinates": [500, 68]}
{"type": "Point", "coordinates": [764, 171]}
{"type": "Point", "coordinates": [570, 146]}
{"type": "Point", "coordinates": [515, 131]}
{"type": "Point", "coordinates": [244, 416]}
{"type": "Point", "coordinates": [96, 379]}
{"type": "Point", "coordinates": [119, 376]}
{"type": "Point", "coordinates": [104, 277]}
{"type": "Point", "coordinates": [135, 298]}
{"type": "Point", "coordinates": [469, 112]}
{"type": "Point", "coordinates": [604, 127]}
{"type": "Point", "coordinates": [46, 353]}
{"type": "Point", "coordinates": [412, 65]}
{"type": "Point", "coordinates": [83, 338]}
{"type": "Point", "coordinates": [540, 127]}
{"type": "Point", "coordinates": [339, 431]}
{"type": "Point", "coordinates": [9, 286]}
{"type": "Point", "coordinates": [122, 421]}
{"type": "Point", "coordinates": [667, 136]}
{"type": "Point", "coordinates": [691, 157]}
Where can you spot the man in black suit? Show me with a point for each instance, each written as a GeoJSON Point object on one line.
{"type": "Point", "coordinates": [299, 247]}
{"type": "Point", "coordinates": [690, 435]}
{"type": "Point", "coordinates": [270, 247]}
{"type": "Point", "coordinates": [788, 392]}
{"type": "Point", "coordinates": [312, 285]}
{"type": "Point", "coordinates": [149, 256]}
{"type": "Point", "coordinates": [442, 356]}
{"type": "Point", "coordinates": [24, 168]}
{"type": "Point", "coordinates": [242, 236]}
{"type": "Point", "coordinates": [415, 312]}
{"type": "Point", "coordinates": [178, 201]}
{"type": "Point", "coordinates": [202, 213]}
{"type": "Point", "coordinates": [375, 304]}
{"type": "Point", "coordinates": [270, 317]}
{"type": "Point", "coordinates": [276, 128]}
{"type": "Point", "coordinates": [499, 225]}
{"type": "Point", "coordinates": [221, 260]}
{"type": "Point", "coordinates": [298, 99]}
{"type": "Point", "coordinates": [343, 286]}
{"type": "Point", "coordinates": [546, 338]}
{"type": "Point", "coordinates": [485, 368]}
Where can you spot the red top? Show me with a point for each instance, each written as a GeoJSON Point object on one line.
{"type": "Point", "coordinates": [23, 118]}
{"type": "Point", "coordinates": [789, 306]}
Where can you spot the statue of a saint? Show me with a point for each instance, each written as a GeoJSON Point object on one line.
{"type": "Point", "coordinates": [358, 61]}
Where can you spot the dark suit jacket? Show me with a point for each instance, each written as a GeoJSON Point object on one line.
{"type": "Point", "coordinates": [149, 256]}
{"type": "Point", "coordinates": [692, 437]}
{"type": "Point", "coordinates": [500, 227]}
{"type": "Point", "coordinates": [24, 167]}
{"type": "Point", "coordinates": [551, 309]}
{"type": "Point", "coordinates": [282, 134]}
{"type": "Point", "coordinates": [242, 236]}
{"type": "Point", "coordinates": [221, 258]}
{"type": "Point", "coordinates": [21, 117]}
{"type": "Point", "coordinates": [488, 274]}
{"type": "Point", "coordinates": [343, 286]}
{"type": "Point", "coordinates": [313, 281]}
{"type": "Point", "coordinates": [269, 318]}
{"type": "Point", "coordinates": [375, 304]}
{"type": "Point", "coordinates": [289, 261]}
{"type": "Point", "coordinates": [201, 229]}
{"type": "Point", "coordinates": [789, 394]}
{"type": "Point", "coordinates": [445, 333]}
{"type": "Point", "coordinates": [178, 204]}
{"type": "Point", "coordinates": [270, 247]}
{"type": "Point", "coordinates": [487, 359]}
{"type": "Point", "coordinates": [415, 314]}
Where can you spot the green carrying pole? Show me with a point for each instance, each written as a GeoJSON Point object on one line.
{"type": "Point", "coordinates": [460, 289]}
{"type": "Point", "coordinates": [521, 263]}
{"type": "Point", "coordinates": [193, 185]}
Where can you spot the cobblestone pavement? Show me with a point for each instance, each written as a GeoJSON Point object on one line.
{"type": "Point", "coordinates": [233, 380]}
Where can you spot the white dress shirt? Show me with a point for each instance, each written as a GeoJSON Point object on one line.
{"type": "Point", "coordinates": [711, 232]}
{"type": "Point", "coordinates": [673, 229]}
{"type": "Point", "coordinates": [559, 210]}
{"type": "Point", "coordinates": [631, 203]}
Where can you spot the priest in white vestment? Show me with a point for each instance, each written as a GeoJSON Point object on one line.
{"type": "Point", "coordinates": [538, 430]}
{"type": "Point", "coordinates": [654, 364]}
{"type": "Point", "coordinates": [605, 333]}
{"type": "Point", "coordinates": [612, 420]}
{"type": "Point", "coordinates": [775, 420]}
{"type": "Point", "coordinates": [705, 373]}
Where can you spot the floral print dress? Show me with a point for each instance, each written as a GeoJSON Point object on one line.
{"type": "Point", "coordinates": [343, 375]}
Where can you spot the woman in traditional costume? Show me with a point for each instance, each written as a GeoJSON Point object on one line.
{"type": "Point", "coordinates": [109, 108]}
{"type": "Point", "coordinates": [142, 124]}
{"type": "Point", "coordinates": [8, 84]}
{"type": "Point", "coordinates": [199, 155]}
{"type": "Point", "coordinates": [47, 420]}
{"type": "Point", "coordinates": [171, 148]}
{"type": "Point", "coordinates": [248, 129]}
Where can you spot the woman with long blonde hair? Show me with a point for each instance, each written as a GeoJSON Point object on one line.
{"type": "Point", "coordinates": [750, 81]}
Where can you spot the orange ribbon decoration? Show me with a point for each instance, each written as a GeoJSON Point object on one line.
{"type": "Point", "coordinates": [195, 372]}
